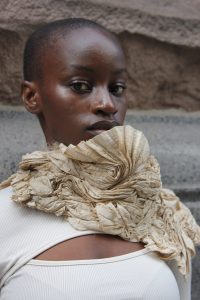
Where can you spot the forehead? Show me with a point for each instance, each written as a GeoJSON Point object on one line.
{"type": "Point", "coordinates": [85, 45]}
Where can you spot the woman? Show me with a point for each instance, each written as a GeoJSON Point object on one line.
{"type": "Point", "coordinates": [115, 223]}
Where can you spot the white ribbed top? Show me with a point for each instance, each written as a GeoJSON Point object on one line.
{"type": "Point", "coordinates": [25, 233]}
{"type": "Point", "coordinates": [138, 275]}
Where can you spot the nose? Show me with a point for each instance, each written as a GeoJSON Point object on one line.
{"type": "Point", "coordinates": [103, 103]}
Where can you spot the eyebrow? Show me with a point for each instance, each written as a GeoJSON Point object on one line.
{"type": "Point", "coordinates": [119, 71]}
{"type": "Point", "coordinates": [82, 68]}
{"type": "Point", "coordinates": [91, 70]}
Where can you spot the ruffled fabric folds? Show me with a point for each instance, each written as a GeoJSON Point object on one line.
{"type": "Point", "coordinates": [109, 184]}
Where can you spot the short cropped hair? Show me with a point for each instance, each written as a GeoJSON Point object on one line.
{"type": "Point", "coordinates": [43, 38]}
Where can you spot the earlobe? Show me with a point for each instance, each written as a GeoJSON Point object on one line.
{"type": "Point", "coordinates": [30, 97]}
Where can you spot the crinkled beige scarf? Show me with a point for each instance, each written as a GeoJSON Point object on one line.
{"type": "Point", "coordinates": [109, 184]}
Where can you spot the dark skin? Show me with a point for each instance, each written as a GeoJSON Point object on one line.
{"type": "Point", "coordinates": [80, 95]}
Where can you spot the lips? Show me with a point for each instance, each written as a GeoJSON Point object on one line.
{"type": "Point", "coordinates": [101, 126]}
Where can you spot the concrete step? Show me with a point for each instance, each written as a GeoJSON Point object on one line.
{"type": "Point", "coordinates": [195, 210]}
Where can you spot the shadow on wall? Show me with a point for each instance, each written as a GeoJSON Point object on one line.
{"type": "Point", "coordinates": [161, 75]}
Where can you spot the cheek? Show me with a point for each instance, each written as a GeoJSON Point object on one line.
{"type": "Point", "coordinates": [122, 111]}
{"type": "Point", "coordinates": [58, 105]}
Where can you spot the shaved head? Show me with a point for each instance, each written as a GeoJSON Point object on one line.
{"type": "Point", "coordinates": [46, 38]}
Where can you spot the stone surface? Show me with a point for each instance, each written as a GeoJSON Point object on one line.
{"type": "Point", "coordinates": [195, 209]}
{"type": "Point", "coordinates": [174, 138]}
{"type": "Point", "coordinates": [161, 75]}
{"type": "Point", "coordinates": [196, 275]}
{"type": "Point", "coordinates": [161, 40]}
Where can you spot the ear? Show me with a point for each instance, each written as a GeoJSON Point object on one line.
{"type": "Point", "coordinates": [30, 97]}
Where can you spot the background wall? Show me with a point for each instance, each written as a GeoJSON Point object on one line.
{"type": "Point", "coordinates": [161, 39]}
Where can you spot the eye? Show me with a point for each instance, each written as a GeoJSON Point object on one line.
{"type": "Point", "coordinates": [117, 89]}
{"type": "Point", "coordinates": [81, 87]}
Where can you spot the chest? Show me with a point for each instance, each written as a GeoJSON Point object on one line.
{"type": "Point", "coordinates": [91, 246]}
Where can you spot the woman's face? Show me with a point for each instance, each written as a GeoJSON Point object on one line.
{"type": "Point", "coordinates": [82, 91]}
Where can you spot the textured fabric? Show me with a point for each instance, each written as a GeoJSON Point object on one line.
{"type": "Point", "coordinates": [138, 275]}
{"type": "Point", "coordinates": [110, 184]}
{"type": "Point", "coordinates": [25, 233]}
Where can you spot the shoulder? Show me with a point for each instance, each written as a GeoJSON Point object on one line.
{"type": "Point", "coordinates": [6, 193]}
{"type": "Point", "coordinates": [5, 201]}
{"type": "Point", "coordinates": [14, 217]}
{"type": "Point", "coordinates": [184, 283]}
{"type": "Point", "coordinates": [7, 206]}
{"type": "Point", "coordinates": [8, 211]}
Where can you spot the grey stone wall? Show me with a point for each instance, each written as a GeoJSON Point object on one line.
{"type": "Point", "coordinates": [161, 40]}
